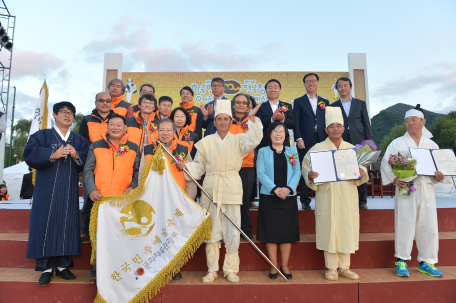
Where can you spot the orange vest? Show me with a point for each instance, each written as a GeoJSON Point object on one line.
{"type": "Point", "coordinates": [193, 111]}
{"type": "Point", "coordinates": [185, 133]}
{"type": "Point", "coordinates": [175, 149]}
{"type": "Point", "coordinates": [119, 106]}
{"type": "Point", "coordinates": [97, 127]}
{"type": "Point", "coordinates": [135, 129]}
{"type": "Point", "coordinates": [113, 172]}
{"type": "Point", "coordinates": [4, 197]}
{"type": "Point", "coordinates": [237, 128]}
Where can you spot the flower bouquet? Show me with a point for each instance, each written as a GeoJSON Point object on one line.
{"type": "Point", "coordinates": [404, 168]}
{"type": "Point", "coordinates": [367, 153]}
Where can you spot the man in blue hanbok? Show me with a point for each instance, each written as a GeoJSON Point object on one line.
{"type": "Point", "coordinates": [58, 155]}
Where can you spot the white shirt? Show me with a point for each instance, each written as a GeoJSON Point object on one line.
{"type": "Point", "coordinates": [346, 105]}
{"type": "Point", "coordinates": [274, 107]}
{"type": "Point", "coordinates": [313, 103]}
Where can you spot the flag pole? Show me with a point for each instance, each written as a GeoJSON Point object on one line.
{"type": "Point", "coordinates": [223, 212]}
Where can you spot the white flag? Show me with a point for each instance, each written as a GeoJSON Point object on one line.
{"type": "Point", "coordinates": [41, 109]}
{"type": "Point", "coordinates": [143, 238]}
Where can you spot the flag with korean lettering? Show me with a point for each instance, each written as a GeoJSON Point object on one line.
{"type": "Point", "coordinates": [142, 239]}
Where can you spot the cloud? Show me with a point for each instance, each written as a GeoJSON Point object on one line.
{"type": "Point", "coordinates": [33, 64]}
{"type": "Point", "coordinates": [134, 41]}
{"type": "Point", "coordinates": [432, 86]}
{"type": "Point", "coordinates": [441, 75]}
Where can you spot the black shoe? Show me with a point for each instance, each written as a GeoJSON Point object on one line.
{"type": "Point", "coordinates": [66, 274]}
{"type": "Point", "coordinates": [363, 207]}
{"type": "Point", "coordinates": [178, 276]}
{"type": "Point", "coordinates": [306, 207]}
{"type": "Point", "coordinates": [85, 238]}
{"type": "Point", "coordinates": [272, 276]}
{"type": "Point", "coordinates": [288, 276]}
{"type": "Point", "coordinates": [45, 278]}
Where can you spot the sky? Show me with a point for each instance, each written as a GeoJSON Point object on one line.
{"type": "Point", "coordinates": [410, 45]}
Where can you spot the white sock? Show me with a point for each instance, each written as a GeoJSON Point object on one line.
{"type": "Point", "coordinates": [47, 270]}
{"type": "Point", "coordinates": [60, 268]}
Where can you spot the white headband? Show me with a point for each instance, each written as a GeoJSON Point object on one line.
{"type": "Point", "coordinates": [416, 113]}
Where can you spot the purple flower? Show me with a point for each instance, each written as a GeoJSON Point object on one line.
{"type": "Point", "coordinates": [412, 187]}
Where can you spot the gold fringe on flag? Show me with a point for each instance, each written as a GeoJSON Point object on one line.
{"type": "Point", "coordinates": [174, 266]}
{"type": "Point", "coordinates": [182, 257]}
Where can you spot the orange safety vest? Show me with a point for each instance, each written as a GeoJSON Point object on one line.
{"type": "Point", "coordinates": [187, 133]}
{"type": "Point", "coordinates": [119, 106]}
{"type": "Point", "coordinates": [175, 149]}
{"type": "Point", "coordinates": [240, 128]}
{"type": "Point", "coordinates": [113, 173]}
{"type": "Point", "coordinates": [193, 111]}
{"type": "Point", "coordinates": [135, 129]}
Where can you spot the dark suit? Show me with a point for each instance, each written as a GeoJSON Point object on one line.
{"type": "Point", "coordinates": [207, 124]}
{"type": "Point", "coordinates": [305, 121]}
{"type": "Point", "coordinates": [27, 186]}
{"type": "Point", "coordinates": [357, 129]}
{"type": "Point", "coordinates": [265, 114]}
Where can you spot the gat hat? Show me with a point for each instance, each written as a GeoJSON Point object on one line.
{"type": "Point", "coordinates": [333, 115]}
{"type": "Point", "coordinates": [223, 107]}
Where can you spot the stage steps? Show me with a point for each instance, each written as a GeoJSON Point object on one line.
{"type": "Point", "coordinates": [374, 262]}
{"type": "Point", "coordinates": [374, 286]}
{"type": "Point", "coordinates": [376, 250]}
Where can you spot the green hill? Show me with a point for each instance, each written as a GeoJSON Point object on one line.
{"type": "Point", "coordinates": [385, 120]}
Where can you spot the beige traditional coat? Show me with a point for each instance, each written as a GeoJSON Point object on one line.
{"type": "Point", "coordinates": [336, 207]}
{"type": "Point", "coordinates": [221, 160]}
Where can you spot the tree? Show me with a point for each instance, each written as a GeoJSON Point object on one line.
{"type": "Point", "coordinates": [20, 137]}
{"type": "Point", "coordinates": [444, 131]}
{"type": "Point", "coordinates": [77, 122]}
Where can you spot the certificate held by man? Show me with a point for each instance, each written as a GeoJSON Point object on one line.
{"type": "Point", "coordinates": [431, 160]}
{"type": "Point", "coordinates": [335, 165]}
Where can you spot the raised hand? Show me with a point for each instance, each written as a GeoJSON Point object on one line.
{"type": "Point", "coordinates": [254, 111]}
{"type": "Point", "coordinates": [204, 111]}
{"type": "Point", "coordinates": [210, 109]}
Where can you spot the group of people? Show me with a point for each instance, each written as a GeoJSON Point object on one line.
{"type": "Point", "coordinates": [224, 143]}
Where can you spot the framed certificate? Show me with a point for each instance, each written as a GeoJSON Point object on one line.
{"type": "Point", "coordinates": [335, 165]}
{"type": "Point", "coordinates": [430, 160]}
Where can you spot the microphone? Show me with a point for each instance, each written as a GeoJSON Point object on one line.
{"type": "Point", "coordinates": [67, 143]}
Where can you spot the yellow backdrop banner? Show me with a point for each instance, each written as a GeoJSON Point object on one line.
{"type": "Point", "coordinates": [252, 83]}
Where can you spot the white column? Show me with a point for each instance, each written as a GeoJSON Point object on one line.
{"type": "Point", "coordinates": [112, 61]}
{"type": "Point", "coordinates": [358, 61]}
{"type": "Point", "coordinates": [2, 157]}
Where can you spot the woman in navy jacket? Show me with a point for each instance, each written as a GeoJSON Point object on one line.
{"type": "Point", "coordinates": [278, 170]}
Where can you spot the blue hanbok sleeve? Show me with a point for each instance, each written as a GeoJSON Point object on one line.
{"type": "Point", "coordinates": [36, 154]}
{"type": "Point", "coordinates": [82, 151]}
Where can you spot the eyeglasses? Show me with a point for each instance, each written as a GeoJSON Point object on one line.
{"type": "Point", "coordinates": [311, 81]}
{"type": "Point", "coordinates": [241, 102]}
{"type": "Point", "coordinates": [66, 113]}
{"type": "Point", "coordinates": [214, 85]}
{"type": "Point", "coordinates": [279, 132]}
{"type": "Point", "coordinates": [104, 101]}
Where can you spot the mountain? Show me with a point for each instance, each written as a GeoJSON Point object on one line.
{"type": "Point", "coordinates": [383, 122]}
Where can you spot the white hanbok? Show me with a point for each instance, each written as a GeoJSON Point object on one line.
{"type": "Point", "coordinates": [416, 215]}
